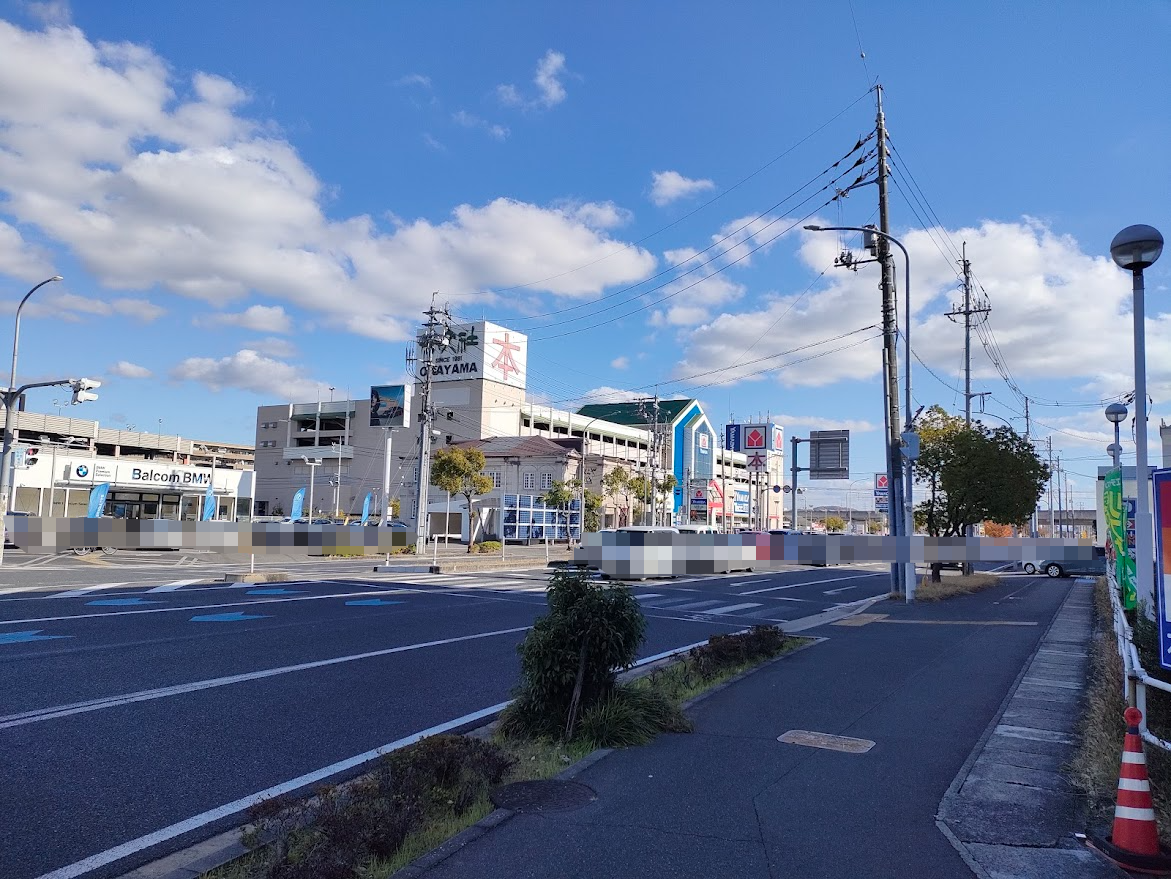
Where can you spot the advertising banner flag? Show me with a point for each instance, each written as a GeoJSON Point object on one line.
{"type": "Point", "coordinates": [366, 508]}
{"type": "Point", "coordinates": [1161, 481]}
{"type": "Point", "coordinates": [298, 504]}
{"type": "Point", "coordinates": [1114, 512]}
{"type": "Point", "coordinates": [209, 503]}
{"type": "Point", "coordinates": [97, 500]}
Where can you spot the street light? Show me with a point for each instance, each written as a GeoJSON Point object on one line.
{"type": "Point", "coordinates": [909, 442]}
{"type": "Point", "coordinates": [1134, 249]}
{"type": "Point", "coordinates": [10, 399]}
{"type": "Point", "coordinates": [313, 464]}
{"type": "Point", "coordinates": [1116, 413]}
{"type": "Point", "coordinates": [850, 502]}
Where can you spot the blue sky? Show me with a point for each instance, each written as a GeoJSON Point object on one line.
{"type": "Point", "coordinates": [254, 201]}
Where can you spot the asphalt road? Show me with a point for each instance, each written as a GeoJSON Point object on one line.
{"type": "Point", "coordinates": [127, 709]}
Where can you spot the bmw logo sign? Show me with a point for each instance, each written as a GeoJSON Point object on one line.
{"type": "Point", "coordinates": [82, 470]}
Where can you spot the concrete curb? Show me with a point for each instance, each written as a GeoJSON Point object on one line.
{"type": "Point", "coordinates": [265, 577]}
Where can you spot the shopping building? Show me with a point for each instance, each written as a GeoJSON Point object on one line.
{"type": "Point", "coordinates": [337, 450]}
{"type": "Point", "coordinates": [58, 460]}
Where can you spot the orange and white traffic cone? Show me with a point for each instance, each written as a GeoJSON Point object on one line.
{"type": "Point", "coordinates": [1134, 842]}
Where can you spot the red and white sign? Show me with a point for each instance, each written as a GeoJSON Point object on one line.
{"type": "Point", "coordinates": [716, 504]}
{"type": "Point", "coordinates": [881, 481]}
{"type": "Point", "coordinates": [704, 441]}
{"type": "Point", "coordinates": [755, 438]}
{"type": "Point", "coordinates": [778, 438]}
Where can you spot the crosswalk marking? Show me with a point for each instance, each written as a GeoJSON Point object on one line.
{"type": "Point", "coordinates": [694, 605]}
{"type": "Point", "coordinates": [648, 595]}
{"type": "Point", "coordinates": [84, 590]}
{"type": "Point", "coordinates": [732, 608]}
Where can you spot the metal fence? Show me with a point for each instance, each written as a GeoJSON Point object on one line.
{"type": "Point", "coordinates": [1135, 678]}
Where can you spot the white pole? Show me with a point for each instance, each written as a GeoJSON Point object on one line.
{"type": "Point", "coordinates": [53, 478]}
{"type": "Point", "coordinates": [386, 483]}
{"type": "Point", "coordinates": [435, 554]}
{"type": "Point", "coordinates": [1144, 552]}
{"type": "Point", "coordinates": [447, 524]}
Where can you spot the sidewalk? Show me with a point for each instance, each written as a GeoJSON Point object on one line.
{"type": "Point", "coordinates": [730, 800]}
{"type": "Point", "coordinates": [1011, 807]}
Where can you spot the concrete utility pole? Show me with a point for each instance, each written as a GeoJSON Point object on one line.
{"type": "Point", "coordinates": [967, 311]}
{"type": "Point", "coordinates": [1049, 445]}
{"type": "Point", "coordinates": [1060, 505]}
{"type": "Point", "coordinates": [889, 343]}
{"type": "Point", "coordinates": [435, 337]}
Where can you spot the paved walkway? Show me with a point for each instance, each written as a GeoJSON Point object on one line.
{"type": "Point", "coordinates": [1011, 807]}
{"type": "Point", "coordinates": [732, 800]}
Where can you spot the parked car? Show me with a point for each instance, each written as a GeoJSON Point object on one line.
{"type": "Point", "coordinates": [5, 518]}
{"type": "Point", "coordinates": [1094, 567]}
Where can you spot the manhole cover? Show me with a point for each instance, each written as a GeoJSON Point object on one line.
{"type": "Point", "coordinates": [543, 796]}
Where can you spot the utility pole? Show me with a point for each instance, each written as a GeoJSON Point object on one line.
{"type": "Point", "coordinates": [889, 342]}
{"type": "Point", "coordinates": [1060, 505]}
{"type": "Point", "coordinates": [967, 311]}
{"type": "Point", "coordinates": [435, 337]}
{"type": "Point", "coordinates": [1049, 445]}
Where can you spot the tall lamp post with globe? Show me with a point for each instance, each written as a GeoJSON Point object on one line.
{"type": "Point", "coordinates": [1116, 414]}
{"type": "Point", "coordinates": [1134, 249]}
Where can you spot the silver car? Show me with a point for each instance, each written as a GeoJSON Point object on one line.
{"type": "Point", "coordinates": [1093, 567]}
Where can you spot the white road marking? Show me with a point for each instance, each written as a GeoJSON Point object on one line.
{"type": "Point", "coordinates": [85, 590]}
{"type": "Point", "coordinates": [176, 585]}
{"type": "Point", "coordinates": [59, 711]}
{"type": "Point", "coordinates": [648, 595]}
{"type": "Point", "coordinates": [811, 583]}
{"type": "Point", "coordinates": [839, 589]}
{"type": "Point", "coordinates": [732, 608]}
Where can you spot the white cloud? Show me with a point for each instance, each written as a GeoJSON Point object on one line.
{"type": "Point", "coordinates": [620, 362]}
{"type": "Point", "coordinates": [418, 79]}
{"type": "Point", "coordinates": [248, 370]}
{"type": "Point", "coordinates": [273, 346]}
{"type": "Point", "coordinates": [151, 181]}
{"type": "Point", "coordinates": [434, 144]}
{"type": "Point", "coordinates": [72, 307]}
{"type": "Point", "coordinates": [550, 91]}
{"type": "Point", "coordinates": [669, 186]}
{"type": "Point", "coordinates": [19, 259]}
{"type": "Point", "coordinates": [258, 318]}
{"type": "Point", "coordinates": [126, 369]}
{"type": "Point", "coordinates": [468, 120]}
{"type": "Point", "coordinates": [51, 13]}
{"type": "Point", "coordinates": [607, 394]}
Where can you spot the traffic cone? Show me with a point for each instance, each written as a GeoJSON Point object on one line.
{"type": "Point", "coordinates": [1134, 842]}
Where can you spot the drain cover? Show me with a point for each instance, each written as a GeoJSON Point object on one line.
{"type": "Point", "coordinates": [826, 741]}
{"type": "Point", "coordinates": [543, 796]}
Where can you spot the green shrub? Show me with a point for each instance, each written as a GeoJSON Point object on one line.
{"type": "Point", "coordinates": [727, 651]}
{"type": "Point", "coordinates": [571, 656]}
{"type": "Point", "coordinates": [488, 547]}
{"type": "Point", "coordinates": [630, 716]}
{"type": "Point", "coordinates": [341, 828]}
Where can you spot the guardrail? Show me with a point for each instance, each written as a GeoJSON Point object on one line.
{"type": "Point", "coordinates": [1135, 678]}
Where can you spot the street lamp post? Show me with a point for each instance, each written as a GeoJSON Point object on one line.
{"type": "Point", "coordinates": [585, 439]}
{"type": "Point", "coordinates": [313, 464]}
{"type": "Point", "coordinates": [850, 503]}
{"type": "Point", "coordinates": [1134, 249]}
{"type": "Point", "coordinates": [1116, 413]}
{"type": "Point", "coordinates": [909, 442]}
{"type": "Point", "coordinates": [10, 399]}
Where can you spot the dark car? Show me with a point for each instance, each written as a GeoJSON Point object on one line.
{"type": "Point", "coordinates": [1093, 567]}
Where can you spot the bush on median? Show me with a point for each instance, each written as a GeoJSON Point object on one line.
{"type": "Point", "coordinates": [488, 547]}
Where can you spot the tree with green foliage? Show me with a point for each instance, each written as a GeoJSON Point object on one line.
{"type": "Point", "coordinates": [616, 482]}
{"type": "Point", "coordinates": [974, 474]}
{"type": "Point", "coordinates": [461, 471]}
{"type": "Point", "coordinates": [835, 524]}
{"type": "Point", "coordinates": [561, 495]}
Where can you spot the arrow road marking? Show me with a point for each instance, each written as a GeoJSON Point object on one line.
{"type": "Point", "coordinates": [118, 602]}
{"type": "Point", "coordinates": [26, 637]}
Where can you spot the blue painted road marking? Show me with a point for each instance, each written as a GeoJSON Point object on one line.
{"type": "Point", "coordinates": [25, 637]}
{"type": "Point", "coordinates": [370, 602]}
{"type": "Point", "coordinates": [273, 592]}
{"type": "Point", "coordinates": [119, 602]}
{"type": "Point", "coordinates": [227, 617]}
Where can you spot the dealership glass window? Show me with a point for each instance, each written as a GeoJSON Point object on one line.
{"type": "Point", "coordinates": [527, 518]}
{"type": "Point", "coordinates": [529, 481]}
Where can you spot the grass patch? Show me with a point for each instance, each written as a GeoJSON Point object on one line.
{"type": "Point", "coordinates": [1095, 768]}
{"type": "Point", "coordinates": [949, 587]}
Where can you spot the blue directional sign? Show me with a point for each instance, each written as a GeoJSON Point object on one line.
{"type": "Point", "coordinates": [273, 592]}
{"type": "Point", "coordinates": [227, 617]}
{"type": "Point", "coordinates": [26, 637]}
{"type": "Point", "coordinates": [370, 602]}
{"type": "Point", "coordinates": [118, 602]}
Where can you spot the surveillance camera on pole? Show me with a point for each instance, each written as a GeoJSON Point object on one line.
{"type": "Point", "coordinates": [81, 390]}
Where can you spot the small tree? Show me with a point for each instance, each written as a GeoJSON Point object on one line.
{"type": "Point", "coordinates": [873, 526]}
{"type": "Point", "coordinates": [460, 471]}
{"type": "Point", "coordinates": [835, 523]}
{"type": "Point", "coordinates": [617, 481]}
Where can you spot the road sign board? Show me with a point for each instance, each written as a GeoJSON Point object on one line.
{"type": "Point", "coordinates": [881, 482]}
{"type": "Point", "coordinates": [829, 454]}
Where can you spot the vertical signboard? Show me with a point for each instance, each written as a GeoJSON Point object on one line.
{"type": "Point", "coordinates": [829, 454]}
{"type": "Point", "coordinates": [732, 437]}
{"type": "Point", "coordinates": [1161, 480]}
{"type": "Point", "coordinates": [388, 405]}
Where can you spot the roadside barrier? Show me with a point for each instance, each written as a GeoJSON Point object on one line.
{"type": "Point", "coordinates": [1135, 679]}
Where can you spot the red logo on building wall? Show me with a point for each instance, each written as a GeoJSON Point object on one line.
{"type": "Point", "coordinates": [754, 439]}
{"type": "Point", "coordinates": [504, 360]}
